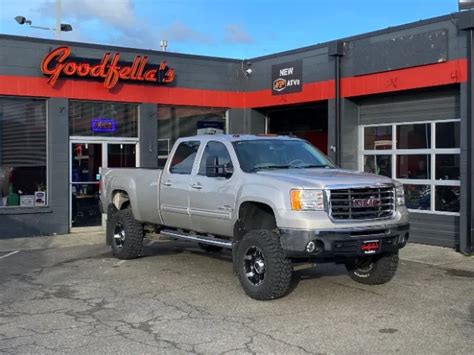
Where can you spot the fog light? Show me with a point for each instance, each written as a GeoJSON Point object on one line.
{"type": "Point", "coordinates": [310, 247]}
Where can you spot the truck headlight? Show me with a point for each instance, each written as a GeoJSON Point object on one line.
{"type": "Point", "coordinates": [307, 200]}
{"type": "Point", "coordinates": [400, 195]}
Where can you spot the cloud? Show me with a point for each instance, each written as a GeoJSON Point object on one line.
{"type": "Point", "coordinates": [139, 37]}
{"type": "Point", "coordinates": [118, 13]}
{"type": "Point", "coordinates": [180, 32]}
{"type": "Point", "coordinates": [236, 34]}
{"type": "Point", "coordinates": [116, 22]}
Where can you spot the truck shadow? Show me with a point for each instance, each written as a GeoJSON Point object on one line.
{"type": "Point", "coordinates": [177, 247]}
{"type": "Point", "coordinates": [321, 270]}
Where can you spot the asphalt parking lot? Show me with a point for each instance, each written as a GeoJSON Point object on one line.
{"type": "Point", "coordinates": [179, 300]}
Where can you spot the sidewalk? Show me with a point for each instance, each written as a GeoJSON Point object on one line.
{"type": "Point", "coordinates": [82, 236]}
{"type": "Point", "coordinates": [444, 258]}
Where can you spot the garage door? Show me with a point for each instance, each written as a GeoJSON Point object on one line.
{"type": "Point", "coordinates": [414, 137]}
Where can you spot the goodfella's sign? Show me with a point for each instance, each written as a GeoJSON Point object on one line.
{"type": "Point", "coordinates": [59, 63]}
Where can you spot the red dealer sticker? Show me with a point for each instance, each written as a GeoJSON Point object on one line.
{"type": "Point", "coordinates": [370, 246]}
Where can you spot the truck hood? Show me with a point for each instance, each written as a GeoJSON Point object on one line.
{"type": "Point", "coordinates": [325, 178]}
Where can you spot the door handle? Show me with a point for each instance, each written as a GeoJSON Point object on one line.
{"type": "Point", "coordinates": [197, 186]}
{"type": "Point", "coordinates": [168, 183]}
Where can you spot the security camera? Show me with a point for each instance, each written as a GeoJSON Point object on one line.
{"type": "Point", "coordinates": [248, 71]}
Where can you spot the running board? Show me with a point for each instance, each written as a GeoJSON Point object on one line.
{"type": "Point", "coordinates": [197, 238]}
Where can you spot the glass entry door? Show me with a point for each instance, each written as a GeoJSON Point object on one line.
{"type": "Point", "coordinates": [86, 161]}
{"type": "Point", "coordinates": [87, 158]}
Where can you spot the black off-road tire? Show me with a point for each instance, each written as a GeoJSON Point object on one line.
{"type": "Point", "coordinates": [278, 269]}
{"type": "Point", "coordinates": [132, 244]}
{"type": "Point", "coordinates": [373, 270]}
{"type": "Point", "coordinates": [210, 248]}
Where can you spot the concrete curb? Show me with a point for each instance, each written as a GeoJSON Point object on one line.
{"type": "Point", "coordinates": [439, 257]}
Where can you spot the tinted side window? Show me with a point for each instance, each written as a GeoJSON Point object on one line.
{"type": "Point", "coordinates": [214, 149]}
{"type": "Point", "coordinates": [183, 158]}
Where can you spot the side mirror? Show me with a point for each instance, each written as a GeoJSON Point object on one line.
{"type": "Point", "coordinates": [212, 168]}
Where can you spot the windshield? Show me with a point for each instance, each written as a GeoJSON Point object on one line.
{"type": "Point", "coordinates": [262, 154]}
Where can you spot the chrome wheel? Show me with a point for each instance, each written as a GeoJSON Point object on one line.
{"type": "Point", "coordinates": [119, 235]}
{"type": "Point", "coordinates": [254, 265]}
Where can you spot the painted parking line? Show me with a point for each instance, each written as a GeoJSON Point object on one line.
{"type": "Point", "coordinates": [9, 254]}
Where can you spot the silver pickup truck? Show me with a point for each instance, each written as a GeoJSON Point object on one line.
{"type": "Point", "coordinates": [272, 200]}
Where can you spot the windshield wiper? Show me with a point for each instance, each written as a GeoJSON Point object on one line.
{"type": "Point", "coordinates": [270, 166]}
{"type": "Point", "coordinates": [313, 166]}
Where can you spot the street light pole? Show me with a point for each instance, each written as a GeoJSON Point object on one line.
{"type": "Point", "coordinates": [58, 19]}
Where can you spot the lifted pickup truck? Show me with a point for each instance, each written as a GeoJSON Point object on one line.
{"type": "Point", "coordinates": [273, 200]}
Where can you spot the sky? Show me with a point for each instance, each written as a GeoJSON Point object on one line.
{"type": "Point", "coordinates": [223, 28]}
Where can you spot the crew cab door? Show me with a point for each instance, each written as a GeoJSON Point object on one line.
{"type": "Point", "coordinates": [175, 184]}
{"type": "Point", "coordinates": [212, 199]}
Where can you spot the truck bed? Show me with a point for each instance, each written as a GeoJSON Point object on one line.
{"type": "Point", "coordinates": [145, 185]}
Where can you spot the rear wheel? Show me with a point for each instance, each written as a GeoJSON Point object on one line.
{"type": "Point", "coordinates": [127, 235]}
{"type": "Point", "coordinates": [264, 271]}
{"type": "Point", "coordinates": [373, 270]}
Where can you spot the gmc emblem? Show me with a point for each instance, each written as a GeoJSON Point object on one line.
{"type": "Point", "coordinates": [369, 202]}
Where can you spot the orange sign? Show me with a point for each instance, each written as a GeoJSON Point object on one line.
{"type": "Point", "coordinates": [57, 63]}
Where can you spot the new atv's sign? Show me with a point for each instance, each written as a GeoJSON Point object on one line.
{"type": "Point", "coordinates": [109, 69]}
{"type": "Point", "coordinates": [287, 77]}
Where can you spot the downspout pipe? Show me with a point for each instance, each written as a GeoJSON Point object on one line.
{"type": "Point", "coordinates": [336, 50]}
{"type": "Point", "coordinates": [466, 230]}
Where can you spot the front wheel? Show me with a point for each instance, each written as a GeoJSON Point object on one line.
{"type": "Point", "coordinates": [127, 235]}
{"type": "Point", "coordinates": [264, 271]}
{"type": "Point", "coordinates": [373, 270]}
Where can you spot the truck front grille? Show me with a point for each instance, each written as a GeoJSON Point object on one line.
{"type": "Point", "coordinates": [362, 203]}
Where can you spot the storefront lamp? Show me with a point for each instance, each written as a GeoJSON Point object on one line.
{"type": "Point", "coordinates": [65, 27]}
{"type": "Point", "coordinates": [466, 4]}
{"type": "Point", "coordinates": [21, 20]}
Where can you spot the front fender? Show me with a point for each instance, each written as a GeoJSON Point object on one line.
{"type": "Point", "coordinates": [268, 195]}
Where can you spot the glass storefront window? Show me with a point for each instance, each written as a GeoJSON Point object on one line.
{"type": "Point", "coordinates": [378, 164]}
{"type": "Point", "coordinates": [121, 155]}
{"type": "Point", "coordinates": [378, 138]}
{"type": "Point", "coordinates": [413, 166]}
{"type": "Point", "coordinates": [425, 158]}
{"type": "Point", "coordinates": [104, 119]}
{"type": "Point", "coordinates": [184, 121]}
{"type": "Point", "coordinates": [23, 154]}
{"type": "Point", "coordinates": [414, 136]}
{"type": "Point", "coordinates": [448, 135]}
{"type": "Point", "coordinates": [447, 198]}
{"type": "Point", "coordinates": [447, 167]}
{"type": "Point", "coordinates": [418, 197]}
